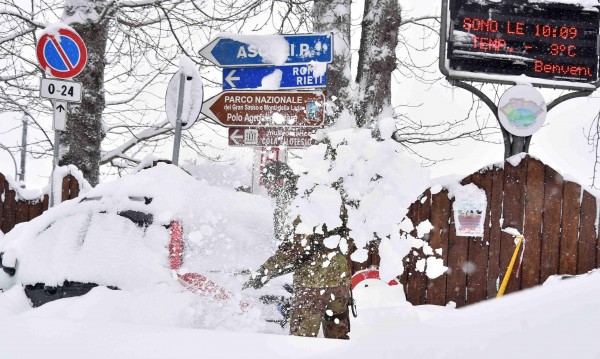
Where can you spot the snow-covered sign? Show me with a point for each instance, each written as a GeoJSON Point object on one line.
{"type": "Point", "coordinates": [262, 108]}
{"type": "Point", "coordinates": [232, 50]}
{"type": "Point", "coordinates": [191, 99]}
{"type": "Point", "coordinates": [522, 110]}
{"type": "Point", "coordinates": [550, 42]}
{"type": "Point", "coordinates": [61, 52]}
{"type": "Point", "coordinates": [276, 77]}
{"type": "Point", "coordinates": [470, 205]}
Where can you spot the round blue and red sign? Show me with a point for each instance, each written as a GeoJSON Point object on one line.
{"type": "Point", "coordinates": [63, 55]}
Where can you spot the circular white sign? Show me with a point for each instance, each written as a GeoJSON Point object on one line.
{"type": "Point", "coordinates": [192, 98]}
{"type": "Point", "coordinates": [522, 110]}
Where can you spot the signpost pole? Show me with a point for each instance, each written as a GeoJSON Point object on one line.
{"type": "Point", "coordinates": [54, 158]}
{"type": "Point", "coordinates": [177, 141]}
{"type": "Point", "coordinates": [72, 56]}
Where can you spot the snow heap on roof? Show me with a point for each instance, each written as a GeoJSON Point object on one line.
{"type": "Point", "coordinates": [87, 241]}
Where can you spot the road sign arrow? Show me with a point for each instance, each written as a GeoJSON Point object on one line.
{"type": "Point", "coordinates": [60, 116]}
{"type": "Point", "coordinates": [235, 137]}
{"type": "Point", "coordinates": [230, 78]}
{"type": "Point", "coordinates": [291, 137]}
{"type": "Point", "coordinates": [276, 77]}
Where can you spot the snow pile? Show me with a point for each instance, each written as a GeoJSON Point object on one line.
{"type": "Point", "coordinates": [88, 241]}
{"type": "Point", "coordinates": [221, 174]}
{"type": "Point", "coordinates": [375, 180]}
{"type": "Point", "coordinates": [274, 49]}
{"type": "Point", "coordinates": [532, 323]}
{"type": "Point", "coordinates": [271, 81]}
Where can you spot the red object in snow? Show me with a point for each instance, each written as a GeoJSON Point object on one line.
{"type": "Point", "coordinates": [368, 274]}
{"type": "Point", "coordinates": [194, 282]}
{"type": "Point", "coordinates": [176, 245]}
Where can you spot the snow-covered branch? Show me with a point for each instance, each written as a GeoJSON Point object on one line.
{"type": "Point", "coordinates": [146, 134]}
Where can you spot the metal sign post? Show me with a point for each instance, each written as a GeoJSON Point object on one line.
{"type": "Point", "coordinates": [177, 141]}
{"type": "Point", "coordinates": [183, 101]}
{"type": "Point", "coordinates": [54, 164]}
{"type": "Point", "coordinates": [61, 54]}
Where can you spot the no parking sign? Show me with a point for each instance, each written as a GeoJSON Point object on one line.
{"type": "Point", "coordinates": [62, 53]}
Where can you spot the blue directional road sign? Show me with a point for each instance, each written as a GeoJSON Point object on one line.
{"type": "Point", "coordinates": [250, 50]}
{"type": "Point", "coordinates": [273, 77]}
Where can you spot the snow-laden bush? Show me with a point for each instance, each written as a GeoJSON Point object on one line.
{"type": "Point", "coordinates": [373, 178]}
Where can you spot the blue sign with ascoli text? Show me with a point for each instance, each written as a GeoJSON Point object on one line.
{"type": "Point", "coordinates": [241, 51]}
{"type": "Point", "coordinates": [274, 77]}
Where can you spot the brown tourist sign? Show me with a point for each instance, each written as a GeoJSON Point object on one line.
{"type": "Point", "coordinates": [293, 137]}
{"type": "Point", "coordinates": [266, 109]}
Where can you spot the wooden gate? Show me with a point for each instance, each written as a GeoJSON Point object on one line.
{"type": "Point", "coordinates": [14, 209]}
{"type": "Point", "coordinates": [557, 219]}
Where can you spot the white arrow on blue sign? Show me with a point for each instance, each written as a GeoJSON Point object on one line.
{"type": "Point", "coordinates": [251, 50]}
{"type": "Point", "coordinates": [273, 77]}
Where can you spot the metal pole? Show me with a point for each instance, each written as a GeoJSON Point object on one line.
{"type": "Point", "coordinates": [177, 141]}
{"type": "Point", "coordinates": [23, 150]}
{"type": "Point", "coordinates": [54, 159]}
{"type": "Point", "coordinates": [13, 158]}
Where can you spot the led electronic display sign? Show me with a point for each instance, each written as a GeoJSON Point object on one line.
{"type": "Point", "coordinates": [543, 40]}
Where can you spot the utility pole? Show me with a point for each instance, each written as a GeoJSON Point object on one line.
{"type": "Point", "coordinates": [23, 151]}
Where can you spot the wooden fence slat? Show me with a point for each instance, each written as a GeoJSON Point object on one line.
{"type": "Point", "coordinates": [495, 233]}
{"type": "Point", "coordinates": [10, 209]}
{"type": "Point", "coordinates": [515, 179]}
{"type": "Point", "coordinates": [479, 247]}
{"type": "Point", "coordinates": [3, 188]}
{"type": "Point", "coordinates": [412, 215]}
{"type": "Point", "coordinates": [35, 209]}
{"type": "Point", "coordinates": [66, 184]}
{"type": "Point", "coordinates": [440, 213]}
{"type": "Point", "coordinates": [374, 257]}
{"type": "Point", "coordinates": [587, 234]}
{"type": "Point", "coordinates": [22, 211]}
{"type": "Point", "coordinates": [418, 282]}
{"type": "Point", "coordinates": [569, 228]}
{"type": "Point", "coordinates": [45, 203]}
{"type": "Point", "coordinates": [534, 204]}
{"type": "Point", "coordinates": [73, 187]}
{"type": "Point", "coordinates": [551, 223]}
{"type": "Point", "coordinates": [458, 248]}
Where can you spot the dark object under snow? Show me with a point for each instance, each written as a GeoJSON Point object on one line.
{"type": "Point", "coordinates": [40, 294]}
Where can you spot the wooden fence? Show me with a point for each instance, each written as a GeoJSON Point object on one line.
{"type": "Point", "coordinates": [14, 210]}
{"type": "Point", "coordinates": [557, 219]}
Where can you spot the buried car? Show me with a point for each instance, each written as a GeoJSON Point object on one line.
{"type": "Point", "coordinates": [159, 226]}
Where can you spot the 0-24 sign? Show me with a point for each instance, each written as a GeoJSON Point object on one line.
{"type": "Point", "coordinates": [60, 90]}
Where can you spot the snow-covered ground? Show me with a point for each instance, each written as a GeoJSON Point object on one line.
{"type": "Point", "coordinates": [157, 318]}
{"type": "Point", "coordinates": [553, 321]}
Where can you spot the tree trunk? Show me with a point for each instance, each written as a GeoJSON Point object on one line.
{"type": "Point", "coordinates": [377, 58]}
{"type": "Point", "coordinates": [81, 142]}
{"type": "Point", "coordinates": [334, 15]}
